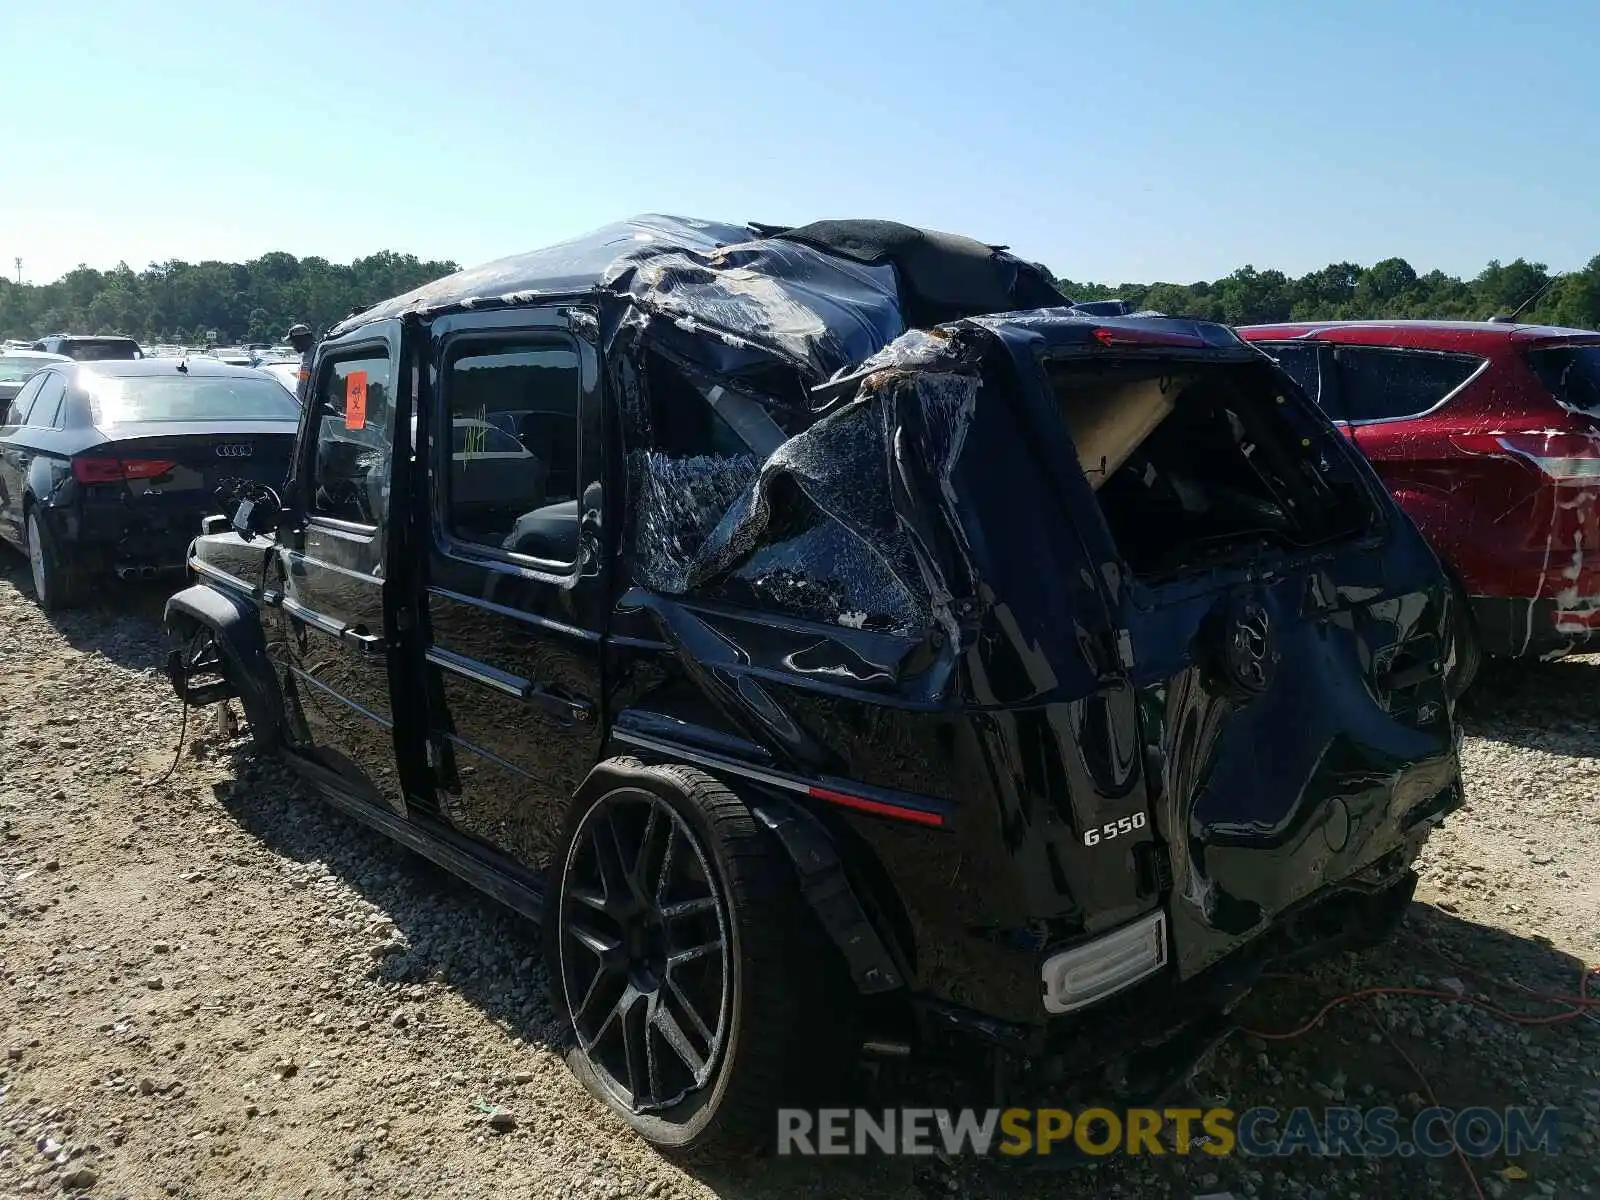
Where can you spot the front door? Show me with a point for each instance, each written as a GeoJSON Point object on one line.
{"type": "Point", "coordinates": [333, 635]}
{"type": "Point", "coordinates": [515, 598]}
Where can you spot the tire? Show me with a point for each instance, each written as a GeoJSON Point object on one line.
{"type": "Point", "coordinates": [784, 1030]}
{"type": "Point", "coordinates": [1468, 662]}
{"type": "Point", "coordinates": [56, 586]}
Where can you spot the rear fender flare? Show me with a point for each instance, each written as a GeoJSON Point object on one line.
{"type": "Point", "coordinates": [820, 870]}
{"type": "Point", "coordinates": [236, 625]}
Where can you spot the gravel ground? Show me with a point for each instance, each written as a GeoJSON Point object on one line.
{"type": "Point", "coordinates": [215, 986]}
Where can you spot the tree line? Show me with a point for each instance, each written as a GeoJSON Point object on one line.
{"type": "Point", "coordinates": [175, 301]}
{"type": "Point", "coordinates": [1391, 288]}
{"type": "Point", "coordinates": [258, 300]}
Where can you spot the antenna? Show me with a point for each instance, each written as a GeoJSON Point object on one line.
{"type": "Point", "coordinates": [1510, 318]}
{"type": "Point", "coordinates": [18, 261]}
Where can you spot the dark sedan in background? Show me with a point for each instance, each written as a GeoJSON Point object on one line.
{"type": "Point", "coordinates": [108, 467]}
{"type": "Point", "coordinates": [90, 347]}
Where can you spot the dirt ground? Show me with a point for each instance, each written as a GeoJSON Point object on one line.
{"type": "Point", "coordinates": [216, 986]}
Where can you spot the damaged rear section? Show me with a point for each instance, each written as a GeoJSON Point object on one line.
{"type": "Point", "coordinates": [1286, 634]}
{"type": "Point", "coordinates": [1176, 663]}
{"type": "Point", "coordinates": [1100, 657]}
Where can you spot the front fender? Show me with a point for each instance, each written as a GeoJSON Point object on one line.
{"type": "Point", "coordinates": [236, 625]}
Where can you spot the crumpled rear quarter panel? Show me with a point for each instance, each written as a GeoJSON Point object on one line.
{"type": "Point", "coordinates": [1310, 784]}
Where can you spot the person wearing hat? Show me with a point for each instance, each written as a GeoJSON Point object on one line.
{"type": "Point", "coordinates": [302, 341]}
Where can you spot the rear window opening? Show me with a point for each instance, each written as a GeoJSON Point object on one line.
{"type": "Point", "coordinates": [1198, 465]}
{"type": "Point", "coordinates": [1572, 373]}
{"type": "Point", "coordinates": [127, 399]}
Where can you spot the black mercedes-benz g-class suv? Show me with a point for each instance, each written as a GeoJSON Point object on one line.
{"type": "Point", "coordinates": [832, 636]}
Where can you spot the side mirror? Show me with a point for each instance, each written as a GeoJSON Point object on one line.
{"type": "Point", "coordinates": [258, 510]}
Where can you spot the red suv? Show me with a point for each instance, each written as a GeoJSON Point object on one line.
{"type": "Point", "coordinates": [1488, 435]}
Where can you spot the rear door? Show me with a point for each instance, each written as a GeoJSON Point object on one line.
{"type": "Point", "coordinates": [333, 627]}
{"type": "Point", "coordinates": [516, 598]}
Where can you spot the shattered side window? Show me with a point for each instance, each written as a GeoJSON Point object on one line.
{"type": "Point", "coordinates": [680, 502]}
{"type": "Point", "coordinates": [816, 535]}
{"type": "Point", "coordinates": [825, 573]}
{"type": "Point", "coordinates": [731, 509]}
{"type": "Point", "coordinates": [691, 470]}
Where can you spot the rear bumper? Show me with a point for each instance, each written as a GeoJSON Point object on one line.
{"type": "Point", "coordinates": [118, 538]}
{"type": "Point", "coordinates": [1517, 627]}
{"type": "Point", "coordinates": [1157, 1028]}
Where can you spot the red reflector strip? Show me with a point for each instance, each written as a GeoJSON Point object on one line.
{"type": "Point", "coordinates": [1562, 456]}
{"type": "Point", "coordinates": [1147, 337]}
{"type": "Point", "coordinates": [879, 808]}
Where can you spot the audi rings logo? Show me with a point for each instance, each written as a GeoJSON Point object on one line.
{"type": "Point", "coordinates": [235, 450]}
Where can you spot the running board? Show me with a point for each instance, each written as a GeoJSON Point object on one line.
{"type": "Point", "coordinates": [437, 843]}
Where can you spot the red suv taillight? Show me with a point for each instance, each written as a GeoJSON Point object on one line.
{"type": "Point", "coordinates": [1561, 457]}
{"type": "Point", "coordinates": [116, 470]}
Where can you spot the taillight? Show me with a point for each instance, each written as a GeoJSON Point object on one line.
{"type": "Point", "coordinates": [116, 470]}
{"type": "Point", "coordinates": [97, 470]}
{"type": "Point", "coordinates": [1561, 457]}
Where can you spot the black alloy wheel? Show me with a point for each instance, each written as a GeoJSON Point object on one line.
{"type": "Point", "coordinates": [646, 968]}
{"type": "Point", "coordinates": [699, 986]}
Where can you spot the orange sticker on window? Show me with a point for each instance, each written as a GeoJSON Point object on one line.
{"type": "Point", "coordinates": [355, 400]}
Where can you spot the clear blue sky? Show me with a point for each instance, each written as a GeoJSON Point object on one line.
{"type": "Point", "coordinates": [1120, 141]}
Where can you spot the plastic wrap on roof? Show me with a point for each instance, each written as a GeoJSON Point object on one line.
{"type": "Point", "coordinates": [819, 298]}
{"type": "Point", "coordinates": [567, 268]}
{"type": "Point", "coordinates": [852, 519]}
{"type": "Point", "coordinates": [816, 312]}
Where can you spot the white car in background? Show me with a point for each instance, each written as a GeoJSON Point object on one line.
{"type": "Point", "coordinates": [16, 367]}
{"type": "Point", "coordinates": [286, 373]}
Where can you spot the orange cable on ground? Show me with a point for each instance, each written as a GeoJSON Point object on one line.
{"type": "Point", "coordinates": [1466, 1163]}
{"type": "Point", "coordinates": [1576, 1006]}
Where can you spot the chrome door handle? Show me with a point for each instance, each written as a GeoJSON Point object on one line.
{"type": "Point", "coordinates": [366, 643]}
